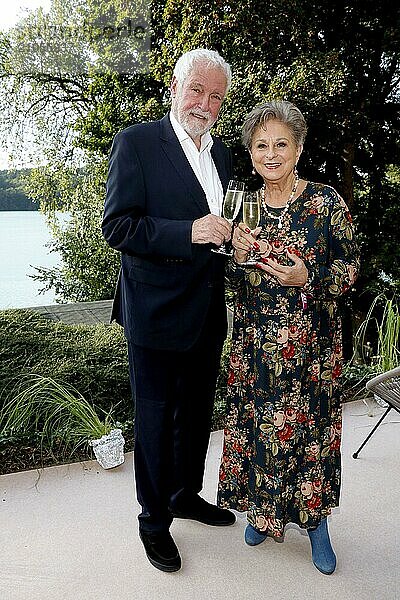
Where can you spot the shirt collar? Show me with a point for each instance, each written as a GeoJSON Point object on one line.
{"type": "Point", "coordinates": [182, 135]}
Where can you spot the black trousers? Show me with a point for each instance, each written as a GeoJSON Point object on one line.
{"type": "Point", "coordinates": [173, 394]}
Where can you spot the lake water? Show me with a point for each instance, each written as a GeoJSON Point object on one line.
{"type": "Point", "coordinates": [23, 239]}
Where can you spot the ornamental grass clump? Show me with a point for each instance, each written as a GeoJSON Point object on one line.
{"type": "Point", "coordinates": [388, 354]}
{"type": "Point", "coordinates": [382, 326]}
{"type": "Point", "coordinates": [384, 318]}
{"type": "Point", "coordinates": [55, 410]}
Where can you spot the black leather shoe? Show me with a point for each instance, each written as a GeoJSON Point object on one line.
{"type": "Point", "coordinates": [200, 510]}
{"type": "Point", "coordinates": [161, 551]}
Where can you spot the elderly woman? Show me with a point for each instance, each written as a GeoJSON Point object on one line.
{"type": "Point", "coordinates": [281, 458]}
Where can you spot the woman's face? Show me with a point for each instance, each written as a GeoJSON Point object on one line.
{"type": "Point", "coordinates": [273, 151]}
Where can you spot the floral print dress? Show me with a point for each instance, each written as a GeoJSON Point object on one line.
{"type": "Point", "coordinates": [281, 457]}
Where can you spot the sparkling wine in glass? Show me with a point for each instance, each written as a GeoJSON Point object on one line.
{"type": "Point", "coordinates": [251, 218]}
{"type": "Point", "coordinates": [230, 208]}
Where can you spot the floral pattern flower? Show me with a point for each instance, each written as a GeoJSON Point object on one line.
{"type": "Point", "coordinates": [281, 457]}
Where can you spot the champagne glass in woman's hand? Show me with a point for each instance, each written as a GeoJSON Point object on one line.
{"type": "Point", "coordinates": [230, 208]}
{"type": "Point", "coordinates": [251, 218]}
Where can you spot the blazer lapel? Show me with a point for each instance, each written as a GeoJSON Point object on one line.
{"type": "Point", "coordinates": [176, 155]}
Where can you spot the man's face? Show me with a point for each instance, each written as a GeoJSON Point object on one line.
{"type": "Point", "coordinates": [196, 102]}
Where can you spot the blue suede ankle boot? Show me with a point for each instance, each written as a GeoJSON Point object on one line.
{"type": "Point", "coordinates": [323, 555]}
{"type": "Point", "coordinates": [252, 537]}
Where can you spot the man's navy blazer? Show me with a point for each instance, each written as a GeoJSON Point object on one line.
{"type": "Point", "coordinates": [153, 196]}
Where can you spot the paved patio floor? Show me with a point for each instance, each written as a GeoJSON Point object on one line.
{"type": "Point", "coordinates": [70, 533]}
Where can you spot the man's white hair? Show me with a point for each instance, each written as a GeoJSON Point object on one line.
{"type": "Point", "coordinates": [210, 58]}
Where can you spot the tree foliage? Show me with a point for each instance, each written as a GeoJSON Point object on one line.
{"type": "Point", "coordinates": [12, 191]}
{"type": "Point", "coordinates": [88, 268]}
{"type": "Point", "coordinates": [339, 62]}
{"type": "Point", "coordinates": [70, 112]}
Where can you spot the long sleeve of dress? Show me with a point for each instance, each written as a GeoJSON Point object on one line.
{"type": "Point", "coordinates": [340, 270]}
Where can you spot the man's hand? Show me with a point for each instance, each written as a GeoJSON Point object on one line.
{"type": "Point", "coordinates": [211, 230]}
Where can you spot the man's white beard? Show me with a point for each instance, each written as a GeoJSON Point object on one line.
{"type": "Point", "coordinates": [191, 127]}
{"type": "Point", "coordinates": [188, 121]}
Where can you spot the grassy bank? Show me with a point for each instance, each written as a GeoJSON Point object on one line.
{"type": "Point", "coordinates": [92, 358]}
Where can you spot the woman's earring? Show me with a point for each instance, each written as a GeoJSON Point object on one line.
{"type": "Point", "coordinates": [253, 172]}
{"type": "Point", "coordinates": [295, 171]}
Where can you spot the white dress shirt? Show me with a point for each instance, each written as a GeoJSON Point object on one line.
{"type": "Point", "coordinates": [202, 164]}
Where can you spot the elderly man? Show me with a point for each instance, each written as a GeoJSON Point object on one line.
{"type": "Point", "coordinates": [162, 212]}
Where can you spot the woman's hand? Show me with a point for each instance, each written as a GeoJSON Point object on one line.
{"type": "Point", "coordinates": [295, 276]}
{"type": "Point", "coordinates": [243, 240]}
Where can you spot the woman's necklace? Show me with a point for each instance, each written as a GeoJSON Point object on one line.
{"type": "Point", "coordinates": [280, 217]}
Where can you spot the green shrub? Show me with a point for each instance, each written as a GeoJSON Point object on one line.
{"type": "Point", "coordinates": [92, 358]}
{"type": "Point", "coordinates": [354, 378]}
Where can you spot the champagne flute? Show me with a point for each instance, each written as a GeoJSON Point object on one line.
{"type": "Point", "coordinates": [230, 208]}
{"type": "Point", "coordinates": [251, 218]}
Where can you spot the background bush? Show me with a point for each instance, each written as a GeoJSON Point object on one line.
{"type": "Point", "coordinates": [93, 358]}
